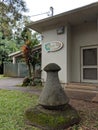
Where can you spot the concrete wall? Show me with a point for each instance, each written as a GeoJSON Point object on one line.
{"type": "Point", "coordinates": [82, 35]}
{"type": "Point", "coordinates": [58, 57]}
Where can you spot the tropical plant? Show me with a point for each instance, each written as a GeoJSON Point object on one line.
{"type": "Point", "coordinates": [31, 58]}
{"type": "Point", "coordinates": [30, 41]}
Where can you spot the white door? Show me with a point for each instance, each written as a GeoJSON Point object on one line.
{"type": "Point", "coordinates": [89, 64]}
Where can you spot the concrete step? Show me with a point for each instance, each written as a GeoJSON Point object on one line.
{"type": "Point", "coordinates": [86, 95]}
{"type": "Point", "coordinates": [81, 90]}
{"type": "Point", "coordinates": [82, 87]}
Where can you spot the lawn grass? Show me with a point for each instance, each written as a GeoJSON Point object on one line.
{"type": "Point", "coordinates": [14, 103]}
{"type": "Point", "coordinates": [2, 76]}
{"type": "Point", "coordinates": [12, 107]}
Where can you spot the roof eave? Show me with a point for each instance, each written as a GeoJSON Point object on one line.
{"type": "Point", "coordinates": [74, 16]}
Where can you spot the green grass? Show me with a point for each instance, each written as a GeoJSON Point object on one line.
{"type": "Point", "coordinates": [12, 108]}
{"type": "Point", "coordinates": [13, 105]}
{"type": "Point", "coordinates": [2, 76]}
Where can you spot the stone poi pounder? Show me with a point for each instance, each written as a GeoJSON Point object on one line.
{"type": "Point", "coordinates": [53, 96]}
{"type": "Point", "coordinates": [53, 111]}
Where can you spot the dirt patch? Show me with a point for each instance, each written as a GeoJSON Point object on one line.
{"type": "Point", "coordinates": [88, 112]}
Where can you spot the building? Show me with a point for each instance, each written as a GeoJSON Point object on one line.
{"type": "Point", "coordinates": [18, 67]}
{"type": "Point", "coordinates": [70, 40]}
{"type": "Point", "coordinates": [16, 56]}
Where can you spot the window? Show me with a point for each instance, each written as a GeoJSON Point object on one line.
{"type": "Point", "coordinates": [89, 64]}
{"type": "Point", "coordinates": [90, 56]}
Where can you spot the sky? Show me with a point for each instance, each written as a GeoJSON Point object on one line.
{"type": "Point", "coordinates": [41, 6]}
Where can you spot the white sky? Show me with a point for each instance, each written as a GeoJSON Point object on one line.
{"type": "Point", "coordinates": [42, 6]}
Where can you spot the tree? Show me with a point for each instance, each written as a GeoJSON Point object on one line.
{"type": "Point", "coordinates": [29, 42]}
{"type": "Point", "coordinates": [11, 19]}
{"type": "Point", "coordinates": [10, 14]}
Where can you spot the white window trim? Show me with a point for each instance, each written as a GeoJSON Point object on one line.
{"type": "Point", "coordinates": [93, 66]}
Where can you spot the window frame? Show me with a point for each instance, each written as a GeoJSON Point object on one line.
{"type": "Point", "coordinates": [88, 66]}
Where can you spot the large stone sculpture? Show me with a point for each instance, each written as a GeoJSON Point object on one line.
{"type": "Point", "coordinates": [53, 111]}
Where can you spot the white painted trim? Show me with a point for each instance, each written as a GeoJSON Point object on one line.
{"type": "Point", "coordinates": [14, 60]}
{"type": "Point", "coordinates": [93, 66]}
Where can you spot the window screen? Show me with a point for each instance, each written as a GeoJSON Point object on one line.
{"type": "Point", "coordinates": [90, 56]}
{"type": "Point", "coordinates": [90, 73]}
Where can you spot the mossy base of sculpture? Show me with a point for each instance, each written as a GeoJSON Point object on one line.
{"type": "Point", "coordinates": [46, 119]}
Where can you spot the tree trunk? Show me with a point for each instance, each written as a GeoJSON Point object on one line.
{"type": "Point", "coordinates": [29, 68]}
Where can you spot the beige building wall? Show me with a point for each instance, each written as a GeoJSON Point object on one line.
{"type": "Point", "coordinates": [69, 57]}
{"type": "Point", "coordinates": [69, 54]}
{"type": "Point", "coordinates": [82, 35]}
{"type": "Point", "coordinates": [59, 57]}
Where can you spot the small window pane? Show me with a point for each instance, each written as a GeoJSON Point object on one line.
{"type": "Point", "coordinates": [90, 73]}
{"type": "Point", "coordinates": [90, 56]}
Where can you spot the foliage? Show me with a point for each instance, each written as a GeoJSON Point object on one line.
{"type": "Point", "coordinates": [9, 45]}
{"type": "Point", "coordinates": [26, 82]}
{"type": "Point", "coordinates": [11, 11]}
{"type": "Point", "coordinates": [29, 42]}
{"type": "Point", "coordinates": [6, 47]}
{"type": "Point", "coordinates": [31, 81]}
{"type": "Point", "coordinates": [1, 76]}
{"type": "Point", "coordinates": [3, 56]}
{"type": "Point", "coordinates": [12, 22]}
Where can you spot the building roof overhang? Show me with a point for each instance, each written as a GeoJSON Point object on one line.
{"type": "Point", "coordinates": [20, 53]}
{"type": "Point", "coordinates": [15, 54]}
{"type": "Point", "coordinates": [87, 13]}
